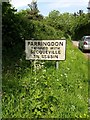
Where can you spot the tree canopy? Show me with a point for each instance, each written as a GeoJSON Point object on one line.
{"type": "Point", "coordinates": [28, 24]}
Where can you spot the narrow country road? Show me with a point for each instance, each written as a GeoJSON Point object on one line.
{"type": "Point", "coordinates": [75, 43]}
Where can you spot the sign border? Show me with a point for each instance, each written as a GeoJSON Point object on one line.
{"type": "Point", "coordinates": [46, 40]}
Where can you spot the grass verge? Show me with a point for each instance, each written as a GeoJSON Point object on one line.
{"type": "Point", "coordinates": [47, 92]}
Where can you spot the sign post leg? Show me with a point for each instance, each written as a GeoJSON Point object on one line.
{"type": "Point", "coordinates": [35, 66]}
{"type": "Point", "coordinates": [57, 65]}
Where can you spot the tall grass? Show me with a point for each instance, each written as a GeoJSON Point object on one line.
{"type": "Point", "coordinates": [47, 92]}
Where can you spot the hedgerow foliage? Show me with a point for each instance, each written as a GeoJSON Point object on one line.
{"type": "Point", "coordinates": [17, 26]}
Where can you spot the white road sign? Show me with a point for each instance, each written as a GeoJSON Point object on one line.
{"type": "Point", "coordinates": [45, 49]}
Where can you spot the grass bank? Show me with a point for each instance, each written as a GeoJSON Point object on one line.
{"type": "Point", "coordinates": [47, 92]}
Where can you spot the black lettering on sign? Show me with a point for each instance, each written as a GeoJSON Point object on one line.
{"type": "Point", "coordinates": [50, 56]}
{"type": "Point", "coordinates": [31, 43]}
{"type": "Point", "coordinates": [36, 43]}
{"type": "Point", "coordinates": [36, 56]}
{"type": "Point", "coordinates": [28, 43]}
{"type": "Point", "coordinates": [39, 44]}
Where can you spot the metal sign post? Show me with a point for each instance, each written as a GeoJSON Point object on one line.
{"type": "Point", "coordinates": [57, 65]}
